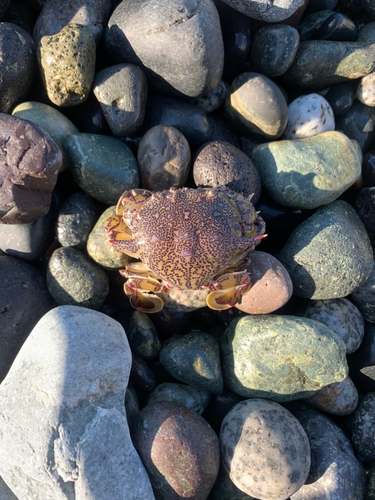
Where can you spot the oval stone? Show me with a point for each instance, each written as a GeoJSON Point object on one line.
{"type": "Point", "coordinates": [193, 398]}
{"type": "Point", "coordinates": [363, 427]}
{"type": "Point", "coordinates": [263, 10]}
{"type": "Point", "coordinates": [366, 90]}
{"type": "Point", "coordinates": [281, 357]}
{"type": "Point", "coordinates": [339, 398]}
{"type": "Point", "coordinates": [364, 297]}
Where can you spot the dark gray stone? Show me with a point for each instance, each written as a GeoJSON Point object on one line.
{"type": "Point", "coordinates": [265, 10]}
{"type": "Point", "coordinates": [179, 43]}
{"type": "Point", "coordinates": [367, 33]}
{"type": "Point", "coordinates": [181, 394]}
{"type": "Point", "coordinates": [340, 97]}
{"type": "Point", "coordinates": [214, 99]}
{"type": "Point", "coordinates": [142, 335]}
{"type": "Point", "coordinates": [365, 207]}
{"type": "Point", "coordinates": [5, 492]}
{"type": "Point", "coordinates": [4, 4]}
{"type": "Point", "coordinates": [362, 361]}
{"type": "Point", "coordinates": [362, 427]}
{"type": "Point", "coordinates": [364, 297]}
{"type": "Point", "coordinates": [327, 25]}
{"type": "Point", "coordinates": [225, 489]}
{"type": "Point", "coordinates": [358, 123]}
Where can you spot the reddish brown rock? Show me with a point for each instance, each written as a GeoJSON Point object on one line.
{"type": "Point", "coordinates": [179, 450]}
{"type": "Point", "coordinates": [339, 398]}
{"type": "Point", "coordinates": [271, 285]}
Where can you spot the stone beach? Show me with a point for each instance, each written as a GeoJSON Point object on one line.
{"type": "Point", "coordinates": [272, 399]}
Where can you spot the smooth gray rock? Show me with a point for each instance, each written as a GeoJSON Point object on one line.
{"type": "Point", "coordinates": [363, 426]}
{"type": "Point", "coordinates": [5, 492]}
{"type": "Point", "coordinates": [364, 297]}
{"type": "Point", "coordinates": [271, 11]}
{"type": "Point", "coordinates": [64, 434]}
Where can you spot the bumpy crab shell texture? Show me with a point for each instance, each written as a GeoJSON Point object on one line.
{"type": "Point", "coordinates": [188, 239]}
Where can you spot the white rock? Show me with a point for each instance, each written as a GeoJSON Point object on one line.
{"type": "Point", "coordinates": [271, 11]}
{"type": "Point", "coordinates": [63, 429]}
{"type": "Point", "coordinates": [366, 90]}
{"type": "Point", "coordinates": [307, 116]}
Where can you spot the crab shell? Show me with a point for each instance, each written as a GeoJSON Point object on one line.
{"type": "Point", "coordinates": [188, 239]}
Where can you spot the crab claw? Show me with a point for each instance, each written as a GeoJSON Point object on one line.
{"type": "Point", "coordinates": [223, 299]}
{"type": "Point", "coordinates": [146, 303]}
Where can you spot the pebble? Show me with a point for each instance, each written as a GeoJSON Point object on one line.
{"type": "Point", "coordinates": [5, 492]}
{"type": "Point", "coordinates": [264, 449]}
{"type": "Point", "coordinates": [309, 115]}
{"type": "Point", "coordinates": [280, 357]}
{"type": "Point", "coordinates": [362, 361]}
{"type": "Point", "coordinates": [367, 33]}
{"type": "Point", "coordinates": [195, 360]}
{"type": "Point", "coordinates": [365, 207]}
{"type": "Point", "coordinates": [104, 167]}
{"type": "Point", "coordinates": [67, 64]}
{"type": "Point", "coordinates": [327, 25]}
{"type": "Point", "coordinates": [358, 123]}
{"type": "Point", "coordinates": [179, 45]}
{"type": "Point", "coordinates": [64, 434]}
{"type": "Point", "coordinates": [340, 97]}
{"type": "Point", "coordinates": [164, 158]}
{"type": "Point", "coordinates": [262, 10]}
{"type": "Point", "coordinates": [29, 165]}
{"type": "Point", "coordinates": [219, 163]}
{"type": "Point", "coordinates": [339, 398]}
{"type": "Point", "coordinates": [245, 107]}
{"type": "Point", "coordinates": [221, 130]}
{"type": "Point", "coordinates": [214, 99]}
{"type": "Point", "coordinates": [224, 488]}
{"type": "Point", "coordinates": [218, 407]}
{"type": "Point", "coordinates": [142, 335]}
{"type": "Point", "coordinates": [366, 90]}
{"type": "Point", "coordinates": [341, 316]}
{"type": "Point", "coordinates": [303, 173]}
{"type": "Point", "coordinates": [73, 279]}
{"type": "Point", "coordinates": [141, 376]}
{"type": "Point", "coordinates": [166, 434]}
{"type": "Point", "coordinates": [362, 428]}
{"type": "Point", "coordinates": [186, 395]}
{"type": "Point", "coordinates": [122, 94]}
{"type": "Point", "coordinates": [364, 297]}
{"type": "Point", "coordinates": [329, 255]}
{"type": "Point", "coordinates": [271, 286]}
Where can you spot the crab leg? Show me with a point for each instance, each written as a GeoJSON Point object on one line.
{"type": "Point", "coordinates": [137, 269]}
{"type": "Point", "coordinates": [227, 290]}
{"type": "Point", "coordinates": [134, 288]}
{"type": "Point", "coordinates": [146, 303]}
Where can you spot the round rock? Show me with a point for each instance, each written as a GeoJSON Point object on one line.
{"type": "Point", "coordinates": [340, 398]}
{"type": "Point", "coordinates": [364, 297]}
{"type": "Point", "coordinates": [263, 10]}
{"type": "Point", "coordinates": [213, 100]}
{"type": "Point", "coordinates": [142, 335]}
{"type": "Point", "coordinates": [340, 97]}
{"type": "Point", "coordinates": [363, 427]}
{"type": "Point", "coordinates": [181, 394]}
{"type": "Point", "coordinates": [264, 449]}
{"type": "Point", "coordinates": [365, 207]}
{"type": "Point", "coordinates": [366, 90]}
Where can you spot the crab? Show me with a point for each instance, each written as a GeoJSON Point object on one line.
{"type": "Point", "coordinates": [185, 238]}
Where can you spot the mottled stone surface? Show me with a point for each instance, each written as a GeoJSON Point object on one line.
{"type": "Point", "coordinates": [265, 449]}
{"type": "Point", "coordinates": [270, 11]}
{"type": "Point", "coordinates": [364, 297]}
{"type": "Point", "coordinates": [184, 300]}
{"type": "Point", "coordinates": [339, 398]}
{"type": "Point", "coordinates": [142, 335]}
{"type": "Point", "coordinates": [329, 255]}
{"type": "Point", "coordinates": [178, 44]}
{"type": "Point", "coordinates": [193, 398]}
{"type": "Point", "coordinates": [67, 64]}
{"type": "Point", "coordinates": [64, 434]}
{"type": "Point", "coordinates": [280, 357]}
{"type": "Point", "coordinates": [366, 90]}
{"type": "Point", "coordinates": [167, 434]}
{"type": "Point", "coordinates": [363, 426]}
{"type": "Point", "coordinates": [308, 173]}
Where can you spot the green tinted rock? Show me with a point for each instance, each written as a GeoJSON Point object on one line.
{"type": "Point", "coordinates": [281, 357]}
{"type": "Point", "coordinates": [142, 335]}
{"type": "Point", "coordinates": [307, 173]}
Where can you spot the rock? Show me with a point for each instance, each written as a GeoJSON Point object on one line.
{"type": "Point", "coordinates": [366, 90]}
{"type": "Point", "coordinates": [362, 427]}
{"type": "Point", "coordinates": [274, 49]}
{"type": "Point", "coordinates": [362, 361]}
{"type": "Point", "coordinates": [370, 488]}
{"type": "Point", "coordinates": [167, 434]}
{"type": "Point", "coordinates": [368, 170]}
{"type": "Point", "coordinates": [335, 473]}
{"type": "Point", "coordinates": [64, 435]}
{"type": "Point", "coordinates": [224, 488]}
{"type": "Point", "coordinates": [302, 173]}
{"type": "Point", "coordinates": [24, 299]}
{"type": "Point", "coordinates": [58, 126]}
{"type": "Point", "coordinates": [327, 25]}
{"type": "Point", "coordinates": [339, 398]}
{"type": "Point", "coordinates": [142, 335]}
{"type": "Point", "coordinates": [214, 99]}
{"type": "Point", "coordinates": [4, 4]}
{"type": "Point", "coordinates": [179, 57]}
{"type": "Point", "coordinates": [256, 105]}
{"type": "Point", "coordinates": [5, 492]}
{"type": "Point", "coordinates": [309, 115]}
{"type": "Point", "coordinates": [73, 279]}
{"type": "Point", "coordinates": [67, 64]}
{"type": "Point", "coordinates": [280, 357]}
{"type": "Point", "coordinates": [358, 123]}
{"type": "Point", "coordinates": [321, 63]}
{"type": "Point", "coordinates": [341, 316]}
{"type": "Point", "coordinates": [163, 158]}
{"type": "Point", "coordinates": [219, 163]}
{"type": "Point", "coordinates": [329, 255]}
{"type": "Point", "coordinates": [277, 11]}
{"type": "Point", "coordinates": [271, 285]}
{"type": "Point", "coordinates": [29, 164]}
{"type": "Point", "coordinates": [141, 376]}
{"type": "Point", "coordinates": [341, 97]}
{"type": "Point", "coordinates": [88, 117]}
{"type": "Point", "coordinates": [220, 130]}
{"type": "Point", "coordinates": [122, 93]}
{"type": "Point", "coordinates": [76, 218]}
{"type": "Point", "coordinates": [184, 300]}
{"type": "Point", "coordinates": [17, 53]}
{"type": "Point", "coordinates": [104, 167]}
{"type": "Point", "coordinates": [55, 16]}
{"type": "Point", "coordinates": [264, 449]}
{"type": "Point", "coordinates": [365, 207]}
{"type": "Point", "coordinates": [195, 360]}
{"type": "Point", "coordinates": [367, 33]}
{"type": "Point", "coordinates": [181, 394]}
{"type": "Point", "coordinates": [364, 297]}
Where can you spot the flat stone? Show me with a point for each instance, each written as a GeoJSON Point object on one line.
{"type": "Point", "coordinates": [329, 255]}
{"type": "Point", "coordinates": [193, 398]}
{"type": "Point", "coordinates": [364, 297]}
{"type": "Point", "coordinates": [298, 357]}
{"type": "Point", "coordinates": [339, 398]}
{"type": "Point", "coordinates": [303, 173]}
{"type": "Point", "coordinates": [67, 64]}
{"type": "Point", "coordinates": [362, 428]}
{"type": "Point", "coordinates": [264, 10]}
{"type": "Point", "coordinates": [358, 123]}
{"type": "Point", "coordinates": [64, 435]}
{"type": "Point", "coordinates": [264, 449]}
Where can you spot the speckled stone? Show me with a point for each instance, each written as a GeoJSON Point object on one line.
{"type": "Point", "coordinates": [100, 250]}
{"type": "Point", "coordinates": [339, 398]}
{"type": "Point", "coordinates": [298, 357]}
{"type": "Point", "coordinates": [308, 173]}
{"type": "Point", "coordinates": [219, 163]}
{"type": "Point", "coordinates": [329, 255]}
{"type": "Point", "coordinates": [163, 158]}
{"type": "Point", "coordinates": [265, 449]}
{"type": "Point", "coordinates": [186, 395]}
{"type": "Point", "coordinates": [271, 286]}
{"type": "Point", "coordinates": [122, 93]}
{"type": "Point", "coordinates": [167, 434]}
{"type": "Point", "coordinates": [365, 207]}
{"type": "Point", "coordinates": [327, 25]}
{"type": "Point", "coordinates": [335, 472]}
{"type": "Point", "coordinates": [195, 360]}
{"type": "Point", "coordinates": [321, 63]}
{"type": "Point", "coordinates": [73, 279]}
{"type": "Point", "coordinates": [184, 300]}
{"type": "Point", "coordinates": [274, 12]}
{"type": "Point", "coordinates": [367, 33]}
{"type": "Point", "coordinates": [246, 109]}
{"type": "Point", "coordinates": [341, 316]}
{"type": "Point", "coordinates": [341, 97]}
{"type": "Point", "coordinates": [307, 116]}
{"type": "Point", "coordinates": [358, 123]}
{"type": "Point", "coordinates": [51, 120]}
{"type": "Point", "coordinates": [364, 297]}
{"type": "Point", "coordinates": [67, 64]}
{"type": "Point", "coordinates": [363, 427]}
{"type": "Point", "coordinates": [366, 90]}
{"type": "Point", "coordinates": [104, 167]}
{"type": "Point", "coordinates": [274, 48]}
{"type": "Point", "coordinates": [142, 335]}
{"type": "Point", "coordinates": [213, 100]}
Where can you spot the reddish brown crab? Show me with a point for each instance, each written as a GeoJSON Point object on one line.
{"type": "Point", "coordinates": [188, 239]}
